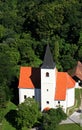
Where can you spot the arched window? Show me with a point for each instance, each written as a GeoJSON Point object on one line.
{"type": "Point", "coordinates": [47, 74]}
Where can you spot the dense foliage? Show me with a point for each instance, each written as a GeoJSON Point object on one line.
{"type": "Point", "coordinates": [28, 113]}
{"type": "Point", "coordinates": [26, 26]}
{"type": "Point", "coordinates": [52, 118]}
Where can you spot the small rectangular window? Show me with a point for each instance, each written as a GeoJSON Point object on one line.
{"type": "Point", "coordinates": [25, 96]}
{"type": "Point", "coordinates": [58, 102]}
{"type": "Point", "coordinates": [47, 102]}
{"type": "Point", "coordinates": [33, 96]}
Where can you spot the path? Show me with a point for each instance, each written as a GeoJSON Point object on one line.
{"type": "Point", "coordinates": [76, 116]}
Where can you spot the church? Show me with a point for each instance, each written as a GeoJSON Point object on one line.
{"type": "Point", "coordinates": [46, 85]}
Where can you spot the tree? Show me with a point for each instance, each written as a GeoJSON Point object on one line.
{"type": "Point", "coordinates": [8, 15]}
{"type": "Point", "coordinates": [68, 62]}
{"type": "Point", "coordinates": [5, 95]}
{"type": "Point", "coordinates": [8, 64]}
{"type": "Point", "coordinates": [2, 32]}
{"type": "Point", "coordinates": [49, 18]}
{"type": "Point", "coordinates": [60, 114]}
{"type": "Point", "coordinates": [2, 114]}
{"type": "Point", "coordinates": [80, 47]}
{"type": "Point", "coordinates": [52, 118]}
{"type": "Point", "coordinates": [27, 53]}
{"type": "Point", "coordinates": [28, 113]}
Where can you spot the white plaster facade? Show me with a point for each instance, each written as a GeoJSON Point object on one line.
{"type": "Point", "coordinates": [70, 97]}
{"type": "Point", "coordinates": [25, 93]}
{"type": "Point", "coordinates": [61, 104]}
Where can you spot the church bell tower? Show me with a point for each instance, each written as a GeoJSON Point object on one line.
{"type": "Point", "coordinates": [48, 80]}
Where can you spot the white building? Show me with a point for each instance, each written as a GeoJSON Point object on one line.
{"type": "Point", "coordinates": [48, 86]}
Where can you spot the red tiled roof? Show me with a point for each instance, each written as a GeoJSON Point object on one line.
{"type": "Point", "coordinates": [63, 82]}
{"type": "Point", "coordinates": [29, 77]}
{"type": "Point", "coordinates": [76, 71]}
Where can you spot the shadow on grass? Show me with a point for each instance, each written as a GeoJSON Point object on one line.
{"type": "Point", "coordinates": [11, 116]}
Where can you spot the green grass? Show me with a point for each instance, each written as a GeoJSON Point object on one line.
{"type": "Point", "coordinates": [78, 95]}
{"type": "Point", "coordinates": [69, 127]}
{"type": "Point", "coordinates": [5, 124]}
{"type": "Point", "coordinates": [78, 92]}
{"type": "Point", "coordinates": [11, 106]}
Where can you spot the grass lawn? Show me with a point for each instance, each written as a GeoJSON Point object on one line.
{"type": "Point", "coordinates": [78, 93]}
{"type": "Point", "coordinates": [69, 127]}
{"type": "Point", "coordinates": [5, 124]}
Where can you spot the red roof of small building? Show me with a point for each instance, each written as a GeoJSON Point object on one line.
{"type": "Point", "coordinates": [76, 71]}
{"type": "Point", "coordinates": [63, 82]}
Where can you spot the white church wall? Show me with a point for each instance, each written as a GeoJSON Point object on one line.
{"type": "Point", "coordinates": [25, 93]}
{"type": "Point", "coordinates": [77, 85]}
{"type": "Point", "coordinates": [70, 97]}
{"type": "Point", "coordinates": [61, 103]}
{"type": "Point", "coordinates": [51, 78]}
{"type": "Point", "coordinates": [47, 96]}
{"type": "Point", "coordinates": [48, 84]}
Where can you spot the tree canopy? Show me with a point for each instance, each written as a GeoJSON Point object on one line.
{"type": "Point", "coordinates": [52, 118]}
{"type": "Point", "coordinates": [27, 26]}
{"type": "Point", "coordinates": [28, 113]}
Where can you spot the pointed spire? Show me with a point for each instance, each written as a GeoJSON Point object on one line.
{"type": "Point", "coordinates": [48, 62]}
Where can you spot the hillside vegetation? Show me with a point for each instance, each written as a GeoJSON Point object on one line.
{"type": "Point", "coordinates": [26, 27]}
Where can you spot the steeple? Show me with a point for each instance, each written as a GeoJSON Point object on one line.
{"type": "Point", "coordinates": [48, 62]}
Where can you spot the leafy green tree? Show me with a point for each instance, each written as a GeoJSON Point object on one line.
{"type": "Point", "coordinates": [68, 62]}
{"type": "Point", "coordinates": [28, 113]}
{"type": "Point", "coordinates": [60, 114]}
{"type": "Point", "coordinates": [5, 95]}
{"type": "Point", "coordinates": [44, 18]}
{"type": "Point", "coordinates": [8, 13]}
{"type": "Point", "coordinates": [80, 47]}
{"type": "Point", "coordinates": [49, 120]}
{"type": "Point", "coordinates": [2, 114]}
{"type": "Point", "coordinates": [52, 118]}
{"type": "Point", "coordinates": [51, 18]}
{"type": "Point", "coordinates": [71, 22]}
{"type": "Point", "coordinates": [27, 54]}
{"type": "Point", "coordinates": [2, 32]}
{"type": "Point", "coordinates": [9, 59]}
